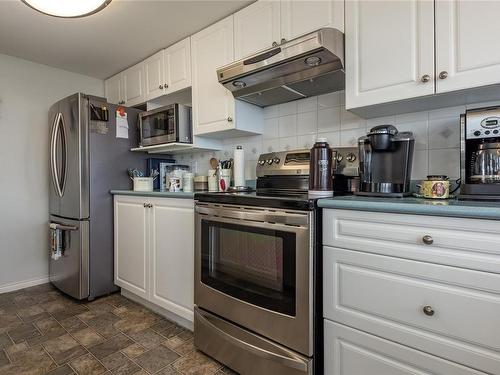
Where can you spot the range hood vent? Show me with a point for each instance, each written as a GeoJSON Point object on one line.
{"type": "Point", "coordinates": [310, 65]}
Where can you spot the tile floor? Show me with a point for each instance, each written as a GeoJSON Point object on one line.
{"type": "Point", "coordinates": [44, 332]}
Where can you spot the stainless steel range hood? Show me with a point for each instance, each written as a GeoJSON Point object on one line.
{"type": "Point", "coordinates": [310, 65]}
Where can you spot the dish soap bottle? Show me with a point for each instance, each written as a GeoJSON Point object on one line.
{"type": "Point", "coordinates": [320, 170]}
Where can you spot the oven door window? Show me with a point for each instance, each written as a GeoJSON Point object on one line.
{"type": "Point", "coordinates": [255, 265]}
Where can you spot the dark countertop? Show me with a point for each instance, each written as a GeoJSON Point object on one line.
{"type": "Point", "coordinates": [156, 193]}
{"type": "Point", "coordinates": [416, 206]}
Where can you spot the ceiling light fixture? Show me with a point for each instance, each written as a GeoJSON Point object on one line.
{"type": "Point", "coordinates": [67, 8]}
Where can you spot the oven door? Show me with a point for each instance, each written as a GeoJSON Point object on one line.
{"type": "Point", "coordinates": [158, 126]}
{"type": "Point", "coordinates": [254, 268]}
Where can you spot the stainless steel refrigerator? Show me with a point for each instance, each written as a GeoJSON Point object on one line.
{"type": "Point", "coordinates": [87, 160]}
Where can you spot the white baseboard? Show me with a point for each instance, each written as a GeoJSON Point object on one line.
{"type": "Point", "coordinates": [22, 284]}
{"type": "Point", "coordinates": [159, 310]}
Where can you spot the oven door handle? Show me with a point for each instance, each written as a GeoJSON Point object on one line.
{"type": "Point", "coordinates": [286, 218]}
{"type": "Point", "coordinates": [293, 361]}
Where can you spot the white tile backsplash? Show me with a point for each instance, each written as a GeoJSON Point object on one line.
{"type": "Point", "coordinates": [444, 133]}
{"type": "Point", "coordinates": [287, 125]}
{"type": "Point", "coordinates": [297, 125]}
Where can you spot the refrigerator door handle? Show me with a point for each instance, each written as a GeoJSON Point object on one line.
{"type": "Point", "coordinates": [56, 129]}
{"type": "Point", "coordinates": [63, 227]}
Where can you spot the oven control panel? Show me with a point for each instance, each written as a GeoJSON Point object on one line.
{"type": "Point", "coordinates": [283, 163]}
{"type": "Point", "coordinates": [345, 161]}
{"type": "Point", "coordinates": [482, 123]}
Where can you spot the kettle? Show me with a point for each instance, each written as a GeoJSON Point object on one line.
{"type": "Point", "coordinates": [485, 164]}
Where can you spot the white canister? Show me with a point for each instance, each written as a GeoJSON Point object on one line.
{"type": "Point", "coordinates": [174, 184]}
{"type": "Point", "coordinates": [213, 181]}
{"type": "Point", "coordinates": [143, 183]}
{"type": "Point", "coordinates": [224, 179]}
{"type": "Point", "coordinates": [188, 182]}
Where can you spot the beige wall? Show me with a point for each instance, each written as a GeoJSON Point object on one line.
{"type": "Point", "coordinates": [27, 90]}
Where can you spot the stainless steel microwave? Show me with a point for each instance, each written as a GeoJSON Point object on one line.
{"type": "Point", "coordinates": [168, 124]}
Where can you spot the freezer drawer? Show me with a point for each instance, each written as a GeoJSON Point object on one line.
{"type": "Point", "coordinates": [70, 271]}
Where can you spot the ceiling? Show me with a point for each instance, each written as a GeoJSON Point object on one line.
{"type": "Point", "coordinates": [105, 43]}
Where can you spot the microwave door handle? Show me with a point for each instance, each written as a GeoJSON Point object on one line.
{"type": "Point", "coordinates": [290, 362]}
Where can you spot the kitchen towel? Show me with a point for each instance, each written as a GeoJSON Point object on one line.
{"type": "Point", "coordinates": [239, 167]}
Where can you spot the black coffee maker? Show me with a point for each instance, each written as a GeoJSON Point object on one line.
{"type": "Point", "coordinates": [480, 154]}
{"type": "Point", "coordinates": [385, 161]}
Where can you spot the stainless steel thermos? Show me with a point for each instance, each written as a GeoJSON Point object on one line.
{"type": "Point", "coordinates": [320, 170]}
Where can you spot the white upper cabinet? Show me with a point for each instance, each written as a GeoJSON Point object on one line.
{"type": "Point", "coordinates": [467, 38]}
{"type": "Point", "coordinates": [113, 89]}
{"type": "Point", "coordinates": [256, 27]}
{"type": "Point", "coordinates": [299, 17]}
{"type": "Point", "coordinates": [389, 51]}
{"type": "Point", "coordinates": [134, 85]}
{"type": "Point", "coordinates": [213, 104]}
{"type": "Point", "coordinates": [155, 76]}
{"type": "Point", "coordinates": [178, 66]}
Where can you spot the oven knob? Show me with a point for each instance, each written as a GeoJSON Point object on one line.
{"type": "Point", "coordinates": [350, 157]}
{"type": "Point", "coordinates": [477, 133]}
{"type": "Point", "coordinates": [495, 131]}
{"type": "Point", "coordinates": [487, 132]}
{"type": "Point", "coordinates": [262, 162]}
{"type": "Point", "coordinates": [270, 161]}
{"type": "Point", "coordinates": [339, 158]}
{"type": "Point", "coordinates": [276, 160]}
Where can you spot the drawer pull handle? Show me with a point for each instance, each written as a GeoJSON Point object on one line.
{"type": "Point", "coordinates": [428, 240]}
{"type": "Point", "coordinates": [428, 310]}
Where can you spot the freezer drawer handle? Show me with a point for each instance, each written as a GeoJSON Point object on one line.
{"type": "Point", "coordinates": [296, 363]}
{"type": "Point", "coordinates": [63, 227]}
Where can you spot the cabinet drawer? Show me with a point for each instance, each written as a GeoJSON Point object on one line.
{"type": "Point", "coordinates": [352, 352]}
{"type": "Point", "coordinates": [468, 243]}
{"type": "Point", "coordinates": [387, 297]}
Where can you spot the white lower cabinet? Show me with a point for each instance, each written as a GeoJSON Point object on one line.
{"type": "Point", "coordinates": [172, 255]}
{"type": "Point", "coordinates": [132, 245]}
{"type": "Point", "coordinates": [349, 351]}
{"type": "Point", "coordinates": [427, 283]}
{"type": "Point", "coordinates": [154, 251]}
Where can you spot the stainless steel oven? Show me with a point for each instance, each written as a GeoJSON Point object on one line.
{"type": "Point", "coordinates": [254, 286]}
{"type": "Point", "coordinates": [167, 124]}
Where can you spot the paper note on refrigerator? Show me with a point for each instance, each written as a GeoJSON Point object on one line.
{"type": "Point", "coordinates": [121, 123]}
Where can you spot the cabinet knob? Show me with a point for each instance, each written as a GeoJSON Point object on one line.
{"type": "Point", "coordinates": [229, 119]}
{"type": "Point", "coordinates": [425, 78]}
{"type": "Point", "coordinates": [275, 44]}
{"type": "Point", "coordinates": [160, 87]}
{"type": "Point", "coordinates": [165, 85]}
{"type": "Point", "coordinates": [428, 310]}
{"type": "Point", "coordinates": [443, 74]}
{"type": "Point", "coordinates": [145, 205]}
{"type": "Point", "coordinates": [283, 40]}
{"type": "Point", "coordinates": [428, 240]}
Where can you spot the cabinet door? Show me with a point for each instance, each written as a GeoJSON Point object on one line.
{"type": "Point", "coordinates": [178, 66]}
{"type": "Point", "coordinates": [213, 104]}
{"type": "Point", "coordinates": [131, 245]}
{"type": "Point", "coordinates": [155, 76]}
{"type": "Point", "coordinates": [256, 27]}
{"type": "Point", "coordinates": [299, 17]}
{"type": "Point", "coordinates": [172, 255]}
{"type": "Point", "coordinates": [352, 352]}
{"type": "Point", "coordinates": [113, 89]}
{"type": "Point", "coordinates": [467, 36]}
{"type": "Point", "coordinates": [134, 85]}
{"type": "Point", "coordinates": [389, 47]}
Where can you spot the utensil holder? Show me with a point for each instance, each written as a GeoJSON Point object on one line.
{"type": "Point", "coordinates": [143, 183]}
